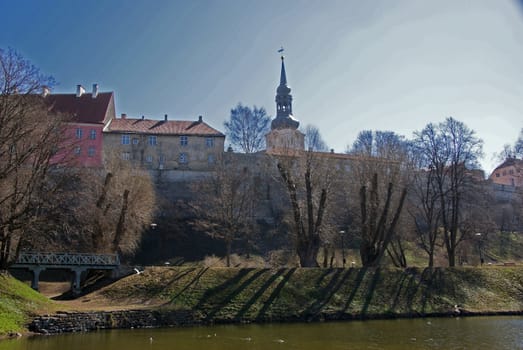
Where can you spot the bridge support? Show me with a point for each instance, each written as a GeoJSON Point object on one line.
{"type": "Point", "coordinates": [36, 276]}
{"type": "Point", "coordinates": [75, 283]}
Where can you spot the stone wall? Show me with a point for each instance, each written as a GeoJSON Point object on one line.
{"type": "Point", "coordinates": [70, 322]}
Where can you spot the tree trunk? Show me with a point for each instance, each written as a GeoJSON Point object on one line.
{"type": "Point", "coordinates": [120, 227]}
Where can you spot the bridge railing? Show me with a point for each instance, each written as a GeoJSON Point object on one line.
{"type": "Point", "coordinates": [68, 259]}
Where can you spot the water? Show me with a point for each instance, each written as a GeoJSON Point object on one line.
{"type": "Point", "coordinates": [437, 333]}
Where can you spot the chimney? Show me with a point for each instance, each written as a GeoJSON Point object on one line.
{"type": "Point", "coordinates": [124, 116]}
{"type": "Point", "coordinates": [45, 91]}
{"type": "Point", "coordinates": [165, 118]}
{"type": "Point", "coordinates": [143, 117]}
{"type": "Point", "coordinates": [79, 90]}
{"type": "Point", "coordinates": [95, 90]}
{"type": "Point", "coordinates": [332, 150]}
{"type": "Point", "coordinates": [200, 119]}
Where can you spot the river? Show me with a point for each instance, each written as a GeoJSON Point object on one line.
{"type": "Point", "coordinates": [435, 333]}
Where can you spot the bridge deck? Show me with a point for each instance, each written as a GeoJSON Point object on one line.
{"type": "Point", "coordinates": [67, 259]}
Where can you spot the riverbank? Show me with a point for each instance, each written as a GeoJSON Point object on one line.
{"type": "Point", "coordinates": [166, 296]}
{"type": "Point", "coordinates": [228, 295]}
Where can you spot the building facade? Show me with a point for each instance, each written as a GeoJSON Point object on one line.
{"type": "Point", "coordinates": [508, 173]}
{"type": "Point", "coordinates": [85, 115]}
{"type": "Point", "coordinates": [164, 144]}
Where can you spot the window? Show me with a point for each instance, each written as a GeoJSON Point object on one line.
{"type": "Point", "coordinates": [183, 158]}
{"type": "Point", "coordinates": [149, 159]}
{"type": "Point", "coordinates": [79, 133]}
{"type": "Point", "coordinates": [161, 159]}
{"type": "Point", "coordinates": [209, 142]}
{"type": "Point", "coordinates": [126, 155]}
{"type": "Point", "coordinates": [184, 141]}
{"type": "Point", "coordinates": [152, 140]}
{"type": "Point", "coordinates": [497, 174]}
{"type": "Point", "coordinates": [136, 141]}
{"type": "Point", "coordinates": [92, 134]}
{"type": "Point", "coordinates": [511, 172]}
{"type": "Point", "coordinates": [91, 151]}
{"type": "Point", "coordinates": [126, 139]}
{"type": "Point", "coordinates": [77, 150]}
{"type": "Point", "coordinates": [210, 159]}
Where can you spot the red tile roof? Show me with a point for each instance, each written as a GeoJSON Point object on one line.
{"type": "Point", "coordinates": [161, 127]}
{"type": "Point", "coordinates": [509, 162]}
{"type": "Point", "coordinates": [83, 109]}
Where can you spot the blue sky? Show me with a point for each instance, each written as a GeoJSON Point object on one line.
{"type": "Point", "coordinates": [352, 65]}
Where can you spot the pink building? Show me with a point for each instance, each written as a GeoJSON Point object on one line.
{"type": "Point", "coordinates": [86, 115]}
{"type": "Point", "coordinates": [509, 173]}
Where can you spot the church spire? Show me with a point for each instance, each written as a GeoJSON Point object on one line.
{"type": "Point", "coordinates": [283, 76]}
{"type": "Point", "coordinates": [284, 119]}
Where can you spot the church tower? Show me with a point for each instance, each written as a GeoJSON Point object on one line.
{"type": "Point", "coordinates": [284, 135]}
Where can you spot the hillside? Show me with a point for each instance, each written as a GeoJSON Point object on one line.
{"type": "Point", "coordinates": [17, 303]}
{"type": "Point", "coordinates": [245, 295]}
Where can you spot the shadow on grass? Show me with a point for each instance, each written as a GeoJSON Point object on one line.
{"type": "Point", "coordinates": [334, 285]}
{"type": "Point", "coordinates": [357, 283]}
{"type": "Point", "coordinates": [370, 291]}
{"type": "Point", "coordinates": [259, 293]}
{"type": "Point", "coordinates": [188, 285]}
{"type": "Point", "coordinates": [217, 301]}
{"type": "Point", "coordinates": [275, 293]}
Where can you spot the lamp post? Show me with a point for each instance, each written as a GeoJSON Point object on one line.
{"type": "Point", "coordinates": [478, 236]}
{"type": "Point", "coordinates": [342, 233]}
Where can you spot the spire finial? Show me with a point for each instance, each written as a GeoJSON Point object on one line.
{"type": "Point", "coordinates": [283, 76]}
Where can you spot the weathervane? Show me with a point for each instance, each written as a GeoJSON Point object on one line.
{"type": "Point", "coordinates": [280, 51]}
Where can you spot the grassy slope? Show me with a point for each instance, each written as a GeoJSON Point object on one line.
{"type": "Point", "coordinates": [222, 294]}
{"type": "Point", "coordinates": [17, 302]}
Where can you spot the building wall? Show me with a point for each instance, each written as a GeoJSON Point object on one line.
{"type": "Point", "coordinates": [511, 175]}
{"type": "Point", "coordinates": [166, 152]}
{"type": "Point", "coordinates": [82, 145]}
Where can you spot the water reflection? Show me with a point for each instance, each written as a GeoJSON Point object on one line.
{"type": "Point", "coordinates": [437, 333]}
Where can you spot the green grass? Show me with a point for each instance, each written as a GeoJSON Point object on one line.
{"type": "Point", "coordinates": [222, 294]}
{"type": "Point", "coordinates": [17, 303]}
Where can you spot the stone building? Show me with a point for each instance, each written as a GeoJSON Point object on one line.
{"type": "Point", "coordinates": [165, 145]}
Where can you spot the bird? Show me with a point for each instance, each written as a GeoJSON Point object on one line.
{"type": "Point", "coordinates": [137, 272]}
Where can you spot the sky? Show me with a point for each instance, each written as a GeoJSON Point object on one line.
{"type": "Point", "coordinates": [352, 65]}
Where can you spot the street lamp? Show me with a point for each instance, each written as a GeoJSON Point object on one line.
{"type": "Point", "coordinates": [342, 233]}
{"type": "Point", "coordinates": [481, 260]}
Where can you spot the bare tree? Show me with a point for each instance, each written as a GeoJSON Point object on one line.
{"type": "Point", "coordinates": [225, 203]}
{"type": "Point", "coordinates": [29, 137]}
{"type": "Point", "coordinates": [381, 165]}
{"type": "Point", "coordinates": [448, 151]}
{"type": "Point", "coordinates": [425, 210]}
{"type": "Point", "coordinates": [115, 206]}
{"type": "Point", "coordinates": [247, 127]}
{"type": "Point", "coordinates": [377, 228]}
{"type": "Point", "coordinates": [313, 139]}
{"type": "Point", "coordinates": [309, 180]}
